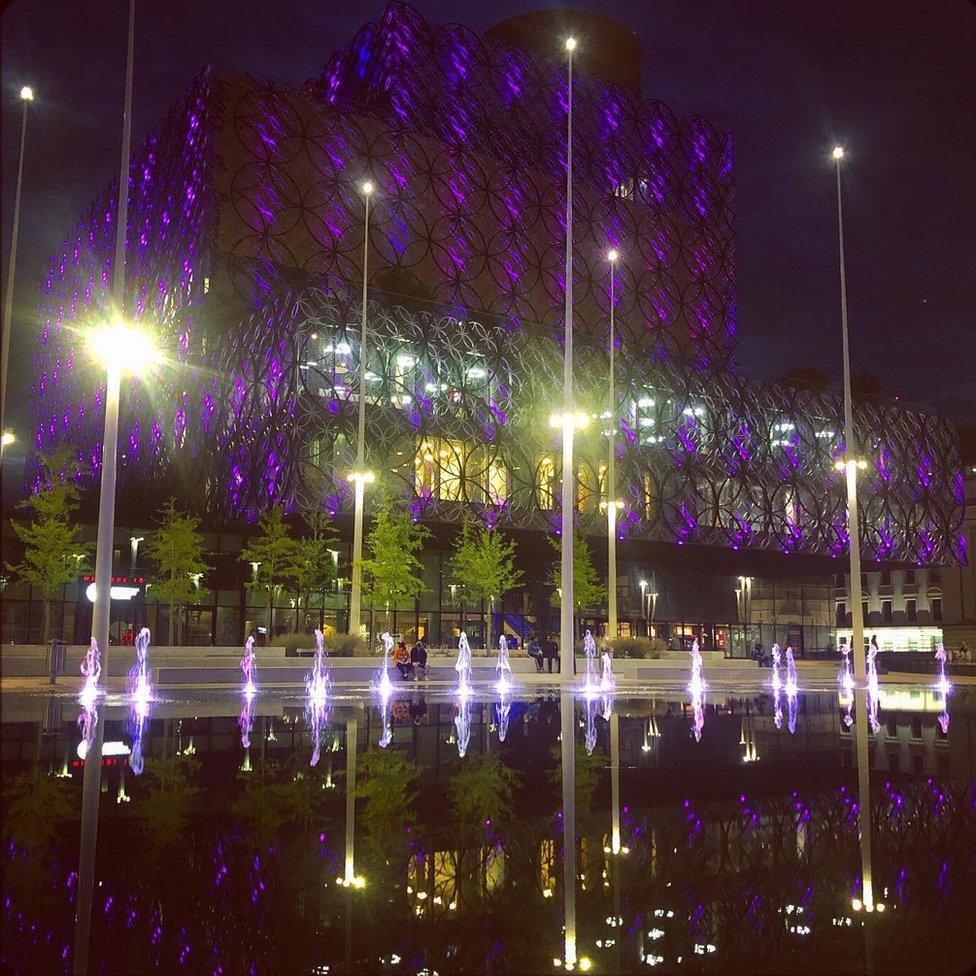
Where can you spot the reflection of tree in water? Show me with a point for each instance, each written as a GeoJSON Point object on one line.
{"type": "Point", "coordinates": [164, 806]}
{"type": "Point", "coordinates": [482, 795]}
{"type": "Point", "coordinates": [588, 770]}
{"type": "Point", "coordinates": [389, 810]}
{"type": "Point", "coordinates": [37, 807]}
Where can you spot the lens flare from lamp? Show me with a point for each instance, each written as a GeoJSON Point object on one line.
{"type": "Point", "coordinates": [122, 346]}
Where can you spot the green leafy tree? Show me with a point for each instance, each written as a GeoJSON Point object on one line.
{"type": "Point", "coordinates": [390, 807]}
{"type": "Point", "coordinates": [391, 570]}
{"type": "Point", "coordinates": [484, 563]}
{"type": "Point", "coordinates": [274, 551]}
{"type": "Point", "coordinates": [165, 808]}
{"type": "Point", "coordinates": [53, 551]}
{"type": "Point", "coordinates": [313, 567]}
{"type": "Point", "coordinates": [484, 790]}
{"type": "Point", "coordinates": [39, 807]}
{"type": "Point", "coordinates": [587, 589]}
{"type": "Point", "coordinates": [176, 547]}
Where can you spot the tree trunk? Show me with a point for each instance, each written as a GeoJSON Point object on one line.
{"type": "Point", "coordinates": [267, 622]}
{"type": "Point", "coordinates": [47, 621]}
{"type": "Point", "coordinates": [488, 624]}
{"type": "Point", "coordinates": [172, 620]}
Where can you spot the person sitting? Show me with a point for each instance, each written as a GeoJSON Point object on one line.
{"type": "Point", "coordinates": [550, 651]}
{"type": "Point", "coordinates": [534, 650]}
{"type": "Point", "coordinates": [401, 658]}
{"type": "Point", "coordinates": [418, 657]}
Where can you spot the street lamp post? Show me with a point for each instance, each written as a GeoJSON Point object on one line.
{"type": "Point", "coordinates": [26, 97]}
{"type": "Point", "coordinates": [360, 477]}
{"type": "Point", "coordinates": [850, 463]}
{"type": "Point", "coordinates": [567, 640]}
{"type": "Point", "coordinates": [612, 503]}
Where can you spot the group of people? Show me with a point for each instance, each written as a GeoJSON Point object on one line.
{"type": "Point", "coordinates": [412, 663]}
{"type": "Point", "coordinates": [543, 652]}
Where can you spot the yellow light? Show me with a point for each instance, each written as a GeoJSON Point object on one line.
{"type": "Point", "coordinates": [8, 438]}
{"type": "Point", "coordinates": [612, 255]}
{"type": "Point", "coordinates": [880, 906]}
{"type": "Point", "coordinates": [122, 346]}
{"type": "Point", "coordinates": [368, 188]}
{"type": "Point", "coordinates": [359, 881]}
{"type": "Point", "coordinates": [585, 963]}
{"type": "Point", "coordinates": [570, 44]}
{"type": "Point", "coordinates": [838, 152]}
{"type": "Point", "coordinates": [857, 904]}
{"type": "Point", "coordinates": [840, 465]}
{"type": "Point", "coordinates": [577, 419]}
{"type": "Point", "coordinates": [367, 477]}
{"type": "Point", "coordinates": [862, 465]}
{"type": "Point", "coordinates": [27, 93]}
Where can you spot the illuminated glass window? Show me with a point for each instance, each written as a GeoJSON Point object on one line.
{"type": "Point", "coordinates": [546, 482]}
{"type": "Point", "coordinates": [547, 865]}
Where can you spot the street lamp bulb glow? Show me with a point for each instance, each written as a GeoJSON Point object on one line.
{"type": "Point", "coordinates": [612, 255]}
{"type": "Point", "coordinates": [570, 44]}
{"type": "Point", "coordinates": [838, 152]}
{"type": "Point", "coordinates": [368, 187]}
{"type": "Point", "coordinates": [27, 93]}
{"type": "Point", "coordinates": [8, 438]}
{"type": "Point", "coordinates": [122, 346]}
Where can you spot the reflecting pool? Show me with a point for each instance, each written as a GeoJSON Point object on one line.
{"type": "Point", "coordinates": [427, 831]}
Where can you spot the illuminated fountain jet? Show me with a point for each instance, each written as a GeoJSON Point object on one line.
{"type": "Point", "coordinates": [385, 685]}
{"type": "Point", "coordinates": [874, 691]}
{"type": "Point", "coordinates": [792, 690]}
{"type": "Point", "coordinates": [846, 681]}
{"type": "Point", "coordinates": [589, 740]}
{"type": "Point", "coordinates": [502, 709]}
{"type": "Point", "coordinates": [696, 688]}
{"type": "Point", "coordinates": [249, 665]}
{"type": "Point", "coordinates": [318, 686]}
{"type": "Point", "coordinates": [140, 697]}
{"type": "Point", "coordinates": [777, 664]}
{"type": "Point", "coordinates": [608, 680]}
{"type": "Point", "coordinates": [943, 686]}
{"type": "Point", "coordinates": [503, 667]}
{"type": "Point", "coordinates": [88, 699]}
{"type": "Point", "coordinates": [463, 666]}
{"type": "Point", "coordinates": [591, 683]}
{"type": "Point", "coordinates": [386, 708]}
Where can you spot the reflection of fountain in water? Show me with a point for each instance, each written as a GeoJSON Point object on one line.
{"type": "Point", "coordinates": [696, 688]}
{"type": "Point", "coordinates": [91, 668]}
{"type": "Point", "coordinates": [591, 682]}
{"type": "Point", "coordinates": [874, 691]}
{"type": "Point", "coordinates": [792, 691]}
{"type": "Point", "coordinates": [384, 685]}
{"type": "Point", "coordinates": [777, 688]}
{"type": "Point", "coordinates": [943, 686]}
{"type": "Point", "coordinates": [503, 667]}
{"type": "Point", "coordinates": [386, 708]}
{"type": "Point", "coordinates": [502, 709]}
{"type": "Point", "coordinates": [462, 722]}
{"type": "Point", "coordinates": [846, 681]}
{"type": "Point", "coordinates": [140, 696]}
{"type": "Point", "coordinates": [590, 738]}
{"type": "Point", "coordinates": [463, 666]}
{"type": "Point", "coordinates": [318, 687]}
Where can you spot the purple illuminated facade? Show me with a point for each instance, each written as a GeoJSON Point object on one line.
{"type": "Point", "coordinates": [244, 250]}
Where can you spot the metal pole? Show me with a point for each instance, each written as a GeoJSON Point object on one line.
{"type": "Point", "coordinates": [854, 546]}
{"type": "Point", "coordinates": [567, 640]}
{"type": "Point", "coordinates": [612, 478]}
{"type": "Point", "coordinates": [352, 728]}
{"type": "Point", "coordinates": [567, 733]}
{"type": "Point", "coordinates": [359, 475]}
{"type": "Point", "coordinates": [8, 300]}
{"type": "Point", "coordinates": [863, 795]}
{"type": "Point", "coordinates": [104, 545]}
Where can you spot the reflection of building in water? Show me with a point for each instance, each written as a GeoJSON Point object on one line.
{"type": "Point", "coordinates": [445, 881]}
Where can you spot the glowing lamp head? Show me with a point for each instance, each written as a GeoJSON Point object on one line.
{"type": "Point", "coordinates": [27, 94]}
{"type": "Point", "coordinates": [613, 255]}
{"type": "Point", "coordinates": [121, 346]}
{"type": "Point", "coordinates": [838, 153]}
{"type": "Point", "coordinates": [570, 44]}
{"type": "Point", "coordinates": [8, 437]}
{"type": "Point", "coordinates": [368, 188]}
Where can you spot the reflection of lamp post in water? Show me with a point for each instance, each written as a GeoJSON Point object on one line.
{"type": "Point", "coordinates": [567, 717]}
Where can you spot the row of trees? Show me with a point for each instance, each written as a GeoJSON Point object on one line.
{"type": "Point", "coordinates": [483, 562]}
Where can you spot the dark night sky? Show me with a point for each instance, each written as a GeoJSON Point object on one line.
{"type": "Point", "coordinates": [894, 81]}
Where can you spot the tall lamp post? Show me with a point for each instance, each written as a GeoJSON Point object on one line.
{"type": "Point", "coordinates": [26, 97]}
{"type": "Point", "coordinates": [360, 477]}
{"type": "Point", "coordinates": [612, 504]}
{"type": "Point", "coordinates": [850, 463]}
{"type": "Point", "coordinates": [569, 419]}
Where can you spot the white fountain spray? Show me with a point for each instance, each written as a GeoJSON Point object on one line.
{"type": "Point", "coordinates": [503, 708]}
{"type": "Point", "coordinates": [589, 740]}
{"type": "Point", "coordinates": [318, 686]}
{"type": "Point", "coordinates": [462, 722]}
{"type": "Point", "coordinates": [503, 667]}
{"type": "Point", "coordinates": [696, 688]}
{"type": "Point", "coordinates": [463, 665]}
{"type": "Point", "coordinates": [792, 691]}
{"type": "Point", "coordinates": [591, 682]}
{"type": "Point", "coordinates": [943, 686]}
{"type": "Point", "coordinates": [140, 696]}
{"type": "Point", "coordinates": [608, 681]}
{"type": "Point", "coordinates": [249, 665]}
{"type": "Point", "coordinates": [777, 664]}
{"type": "Point", "coordinates": [385, 685]}
{"type": "Point", "coordinates": [91, 668]}
{"type": "Point", "coordinates": [874, 691]}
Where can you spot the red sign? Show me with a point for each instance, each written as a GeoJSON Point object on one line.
{"type": "Point", "coordinates": [123, 580]}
